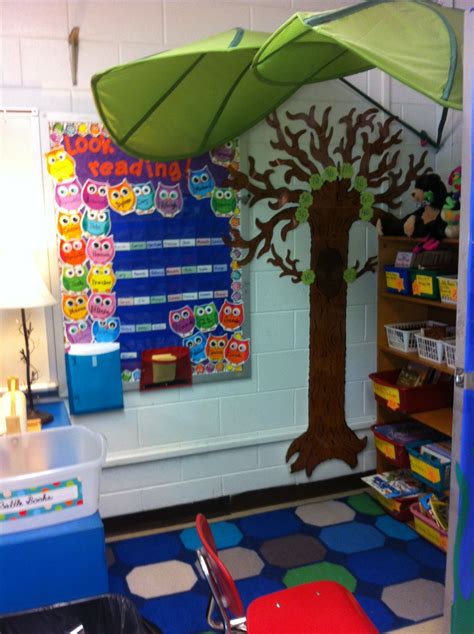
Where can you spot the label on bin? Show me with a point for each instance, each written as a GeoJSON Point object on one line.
{"type": "Point", "coordinates": [395, 281]}
{"type": "Point", "coordinates": [57, 496]}
{"type": "Point", "coordinates": [426, 470]}
{"type": "Point", "coordinates": [390, 394]}
{"type": "Point", "coordinates": [431, 534]}
{"type": "Point", "coordinates": [423, 285]}
{"type": "Point", "coordinates": [385, 447]}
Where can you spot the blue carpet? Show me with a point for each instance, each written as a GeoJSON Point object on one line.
{"type": "Point", "coordinates": [352, 541]}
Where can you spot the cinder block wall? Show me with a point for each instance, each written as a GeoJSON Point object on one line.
{"type": "Point", "coordinates": [178, 446]}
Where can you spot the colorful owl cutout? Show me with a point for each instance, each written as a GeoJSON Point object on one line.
{"type": "Point", "coordinates": [223, 201]}
{"type": "Point", "coordinates": [60, 165]}
{"type": "Point", "coordinates": [106, 330]}
{"type": "Point", "coordinates": [94, 195]}
{"type": "Point", "coordinates": [78, 332]}
{"type": "Point", "coordinates": [100, 250]}
{"type": "Point", "coordinates": [206, 317]}
{"type": "Point", "coordinates": [169, 200]}
{"type": "Point", "coordinates": [122, 198]}
{"type": "Point", "coordinates": [68, 195]}
{"type": "Point", "coordinates": [72, 251]}
{"type": "Point", "coordinates": [101, 279]}
{"type": "Point", "coordinates": [74, 278]}
{"type": "Point", "coordinates": [145, 195]}
{"type": "Point", "coordinates": [182, 321]}
{"type": "Point", "coordinates": [231, 316]}
{"type": "Point", "coordinates": [101, 305]}
{"type": "Point", "coordinates": [201, 183]}
{"type": "Point", "coordinates": [237, 351]}
{"type": "Point", "coordinates": [69, 225]}
{"type": "Point", "coordinates": [197, 346]}
{"type": "Point", "coordinates": [224, 154]}
{"type": "Point", "coordinates": [75, 306]}
{"type": "Point", "coordinates": [215, 348]}
{"type": "Point", "coordinates": [96, 223]}
{"type": "Point", "coordinates": [56, 133]}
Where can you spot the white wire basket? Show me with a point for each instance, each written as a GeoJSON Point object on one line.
{"type": "Point", "coordinates": [402, 336]}
{"type": "Point", "coordinates": [450, 352]}
{"type": "Point", "coordinates": [432, 349]}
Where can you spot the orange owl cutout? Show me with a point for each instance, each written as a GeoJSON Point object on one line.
{"type": "Point", "coordinates": [60, 164]}
{"type": "Point", "coordinates": [122, 198]}
{"type": "Point", "coordinates": [75, 306]}
{"type": "Point", "coordinates": [69, 225]}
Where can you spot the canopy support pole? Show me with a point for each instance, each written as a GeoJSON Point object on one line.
{"type": "Point", "coordinates": [422, 135]}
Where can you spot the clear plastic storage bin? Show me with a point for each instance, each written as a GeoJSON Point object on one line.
{"type": "Point", "coordinates": [432, 349]}
{"type": "Point", "coordinates": [450, 352]}
{"type": "Point", "coordinates": [49, 477]}
{"type": "Point", "coordinates": [402, 336]}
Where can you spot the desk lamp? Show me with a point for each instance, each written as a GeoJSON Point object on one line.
{"type": "Point", "coordinates": [22, 287]}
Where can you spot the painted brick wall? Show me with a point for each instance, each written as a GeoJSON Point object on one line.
{"type": "Point", "coordinates": [168, 448]}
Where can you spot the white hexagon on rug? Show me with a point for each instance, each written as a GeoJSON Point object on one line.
{"type": "Point", "coordinates": [325, 513]}
{"type": "Point", "coordinates": [159, 580]}
{"type": "Point", "coordinates": [241, 562]}
{"type": "Point", "coordinates": [415, 600]}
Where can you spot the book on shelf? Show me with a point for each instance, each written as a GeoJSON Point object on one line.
{"type": "Point", "coordinates": [440, 450]}
{"type": "Point", "coordinates": [405, 432]}
{"type": "Point", "coordinates": [394, 484]}
{"type": "Point", "coordinates": [413, 375]}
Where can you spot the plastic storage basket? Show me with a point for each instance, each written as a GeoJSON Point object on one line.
{"type": "Point", "coordinates": [450, 352]}
{"type": "Point", "coordinates": [428, 529]}
{"type": "Point", "coordinates": [399, 508]}
{"type": "Point", "coordinates": [430, 470]}
{"type": "Point", "coordinates": [448, 288]}
{"type": "Point", "coordinates": [49, 477]}
{"type": "Point", "coordinates": [408, 400]}
{"type": "Point", "coordinates": [402, 336]}
{"type": "Point", "coordinates": [393, 439]}
{"type": "Point", "coordinates": [424, 283]}
{"type": "Point", "coordinates": [398, 280]}
{"type": "Point", "coordinates": [432, 349]}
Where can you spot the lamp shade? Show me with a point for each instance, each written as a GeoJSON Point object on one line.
{"type": "Point", "coordinates": [21, 284]}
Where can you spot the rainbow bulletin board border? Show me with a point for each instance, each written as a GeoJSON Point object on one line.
{"type": "Point", "coordinates": [140, 252]}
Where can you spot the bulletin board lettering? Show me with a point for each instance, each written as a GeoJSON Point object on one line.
{"type": "Point", "coordinates": [141, 254]}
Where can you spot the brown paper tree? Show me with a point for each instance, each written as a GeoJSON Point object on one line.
{"type": "Point", "coordinates": [334, 189]}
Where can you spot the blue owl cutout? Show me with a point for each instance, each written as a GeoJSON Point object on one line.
{"type": "Point", "coordinates": [95, 222]}
{"type": "Point", "coordinates": [201, 183]}
{"type": "Point", "coordinates": [106, 330]}
{"type": "Point", "coordinates": [197, 347]}
{"type": "Point", "coordinates": [145, 194]}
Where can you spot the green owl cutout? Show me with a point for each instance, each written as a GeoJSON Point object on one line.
{"type": "Point", "coordinates": [223, 201]}
{"type": "Point", "coordinates": [206, 317]}
{"type": "Point", "coordinates": [74, 278]}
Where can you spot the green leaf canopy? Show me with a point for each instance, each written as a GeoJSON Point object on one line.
{"type": "Point", "coordinates": [185, 101]}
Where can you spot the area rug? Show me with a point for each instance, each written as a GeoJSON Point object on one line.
{"type": "Point", "coordinates": [395, 574]}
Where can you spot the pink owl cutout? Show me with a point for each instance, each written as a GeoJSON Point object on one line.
{"type": "Point", "coordinates": [101, 305]}
{"type": "Point", "coordinates": [182, 321]}
{"type": "Point", "coordinates": [100, 250]}
{"type": "Point", "coordinates": [94, 194]}
{"type": "Point", "coordinates": [68, 195]}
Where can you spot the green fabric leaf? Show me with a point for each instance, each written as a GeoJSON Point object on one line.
{"type": "Point", "coordinates": [347, 170]}
{"type": "Point", "coordinates": [316, 181]}
{"type": "Point", "coordinates": [305, 199]}
{"type": "Point", "coordinates": [360, 183]}
{"type": "Point", "coordinates": [366, 213]}
{"type": "Point", "coordinates": [308, 277]}
{"type": "Point", "coordinates": [367, 199]}
{"type": "Point", "coordinates": [302, 214]}
{"type": "Point", "coordinates": [330, 173]}
{"type": "Point", "coordinates": [350, 275]}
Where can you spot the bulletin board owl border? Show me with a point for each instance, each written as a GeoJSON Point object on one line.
{"type": "Point", "coordinates": [139, 254]}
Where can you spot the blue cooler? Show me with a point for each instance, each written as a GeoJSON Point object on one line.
{"type": "Point", "coordinates": [94, 377]}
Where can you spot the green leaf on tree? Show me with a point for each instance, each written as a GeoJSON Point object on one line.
{"type": "Point", "coordinates": [330, 173]}
{"type": "Point", "coordinates": [350, 275]}
{"type": "Point", "coordinates": [367, 199]}
{"type": "Point", "coordinates": [366, 213]}
{"type": "Point", "coordinates": [302, 214]}
{"type": "Point", "coordinates": [308, 277]}
{"type": "Point", "coordinates": [360, 183]}
{"type": "Point", "coordinates": [316, 181]}
{"type": "Point", "coordinates": [347, 170]}
{"type": "Point", "coordinates": [305, 199]}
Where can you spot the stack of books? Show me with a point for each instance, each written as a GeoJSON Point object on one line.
{"type": "Point", "coordinates": [395, 484]}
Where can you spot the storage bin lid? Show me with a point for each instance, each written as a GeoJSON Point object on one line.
{"type": "Point", "coordinates": [92, 349]}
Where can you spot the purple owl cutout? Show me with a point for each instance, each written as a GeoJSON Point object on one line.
{"type": "Point", "coordinates": [182, 321]}
{"type": "Point", "coordinates": [78, 332]}
{"type": "Point", "coordinates": [68, 195]}
{"type": "Point", "coordinates": [169, 200]}
{"type": "Point", "coordinates": [94, 194]}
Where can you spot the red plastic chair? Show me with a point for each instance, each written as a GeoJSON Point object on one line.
{"type": "Point", "coordinates": [321, 607]}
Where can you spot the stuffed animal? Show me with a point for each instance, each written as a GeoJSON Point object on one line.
{"type": "Point", "coordinates": [451, 212]}
{"type": "Point", "coordinates": [429, 195]}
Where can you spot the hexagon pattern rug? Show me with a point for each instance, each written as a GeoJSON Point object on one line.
{"type": "Point", "coordinates": [395, 575]}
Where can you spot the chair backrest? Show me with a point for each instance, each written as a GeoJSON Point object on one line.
{"type": "Point", "coordinates": [221, 582]}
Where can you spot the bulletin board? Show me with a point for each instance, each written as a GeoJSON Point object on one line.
{"type": "Point", "coordinates": [140, 251]}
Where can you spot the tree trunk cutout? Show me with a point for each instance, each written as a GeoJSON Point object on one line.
{"type": "Point", "coordinates": [331, 196]}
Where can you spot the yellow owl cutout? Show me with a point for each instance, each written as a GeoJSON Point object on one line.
{"type": "Point", "coordinates": [101, 279]}
{"type": "Point", "coordinates": [69, 225]}
{"type": "Point", "coordinates": [60, 165]}
{"type": "Point", "coordinates": [75, 306]}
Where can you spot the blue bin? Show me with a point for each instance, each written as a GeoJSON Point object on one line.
{"type": "Point", "coordinates": [429, 470]}
{"type": "Point", "coordinates": [94, 377]}
{"type": "Point", "coordinates": [398, 280]}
